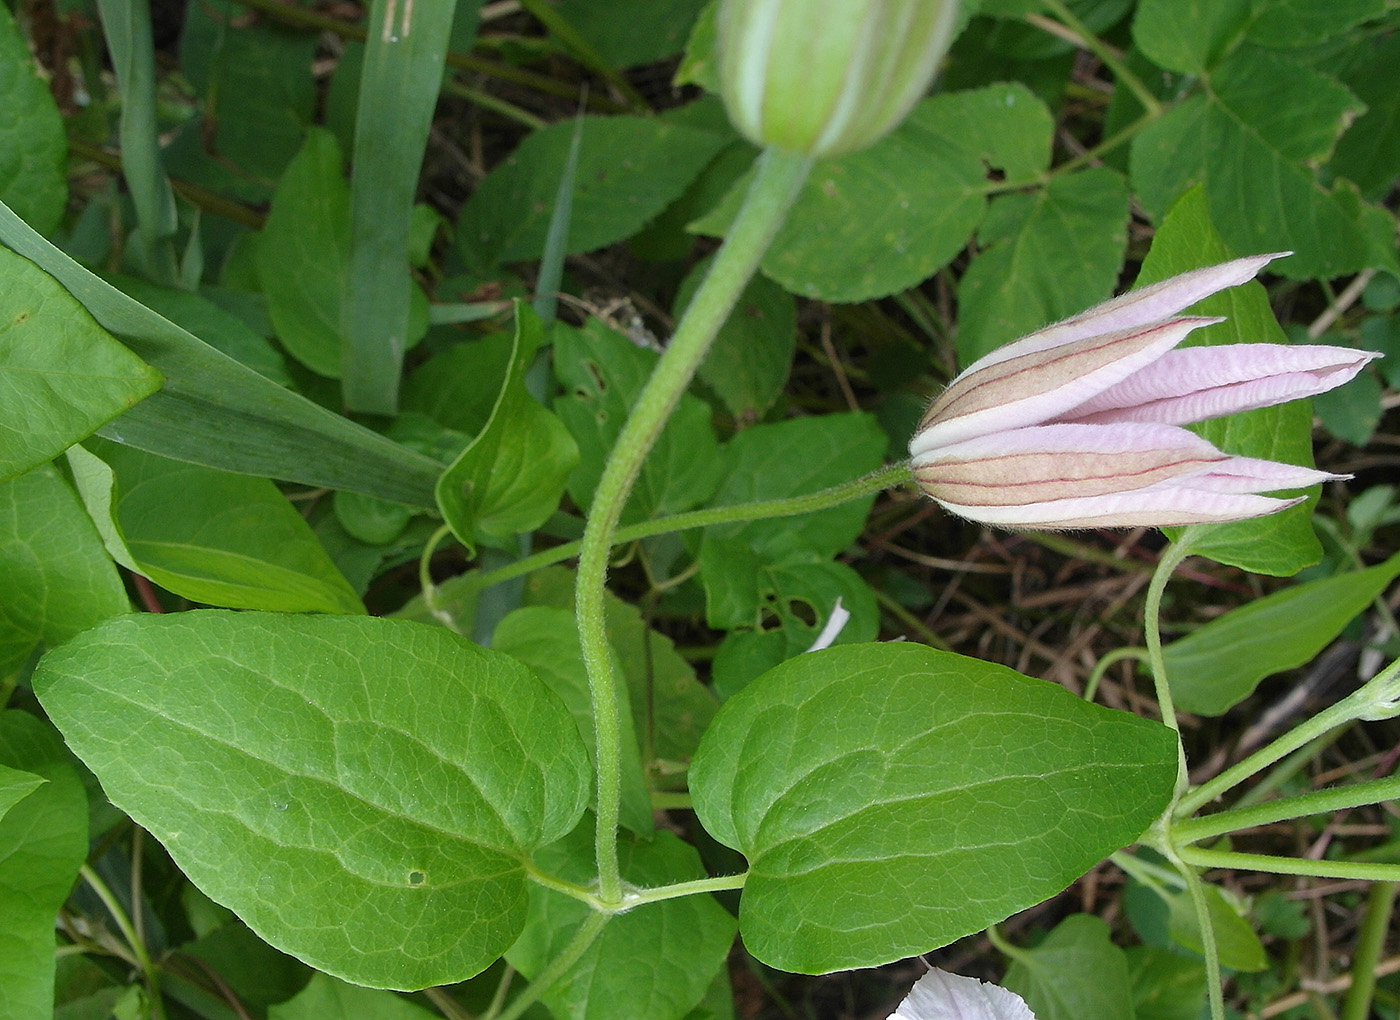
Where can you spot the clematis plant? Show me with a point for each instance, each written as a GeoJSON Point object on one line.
{"type": "Point", "coordinates": [1078, 425]}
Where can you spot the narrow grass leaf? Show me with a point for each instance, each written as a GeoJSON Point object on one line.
{"type": "Point", "coordinates": [556, 239]}
{"type": "Point", "coordinates": [1218, 665]}
{"type": "Point", "coordinates": [127, 27]}
{"type": "Point", "coordinates": [402, 73]}
{"type": "Point", "coordinates": [216, 412]}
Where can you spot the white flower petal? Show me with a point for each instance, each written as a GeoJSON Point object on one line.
{"type": "Point", "coordinates": [939, 995]}
{"type": "Point", "coordinates": [1047, 463]}
{"type": "Point", "coordinates": [1139, 307]}
{"type": "Point", "coordinates": [1040, 386]}
{"type": "Point", "coordinates": [1250, 474]}
{"type": "Point", "coordinates": [1075, 427]}
{"type": "Point", "coordinates": [840, 616]}
{"type": "Point", "coordinates": [1198, 383]}
{"type": "Point", "coordinates": [1156, 507]}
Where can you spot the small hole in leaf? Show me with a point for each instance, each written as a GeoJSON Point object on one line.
{"type": "Point", "coordinates": [803, 610]}
{"type": "Point", "coordinates": [416, 878]}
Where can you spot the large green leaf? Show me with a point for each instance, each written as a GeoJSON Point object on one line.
{"type": "Point", "coordinates": [364, 793]}
{"type": "Point", "coordinates": [512, 475]}
{"type": "Point", "coordinates": [58, 578]}
{"type": "Point", "coordinates": [647, 32]}
{"type": "Point", "coordinates": [629, 169]}
{"type": "Point", "coordinates": [1307, 23]}
{"type": "Point", "coordinates": [256, 79]}
{"type": "Point", "coordinates": [61, 374]}
{"type": "Point", "coordinates": [603, 374]}
{"type": "Point", "coordinates": [458, 387]}
{"type": "Point", "coordinates": [792, 458]}
{"type": "Point", "coordinates": [1046, 255]}
{"type": "Point", "coordinates": [670, 707]}
{"type": "Point", "coordinates": [1284, 543]}
{"type": "Point", "coordinates": [32, 145]}
{"type": "Point", "coordinates": [883, 220]}
{"type": "Point", "coordinates": [325, 998]}
{"type": "Point", "coordinates": [1369, 153]}
{"type": "Point", "coordinates": [1076, 972]}
{"type": "Point", "coordinates": [546, 640]}
{"type": "Point", "coordinates": [212, 537]}
{"type": "Point", "coordinates": [1236, 940]}
{"type": "Point", "coordinates": [253, 970]}
{"type": "Point", "coordinates": [891, 798]}
{"type": "Point", "coordinates": [1166, 985]}
{"type": "Point", "coordinates": [776, 610]}
{"type": "Point", "coordinates": [685, 939]}
{"type": "Point", "coordinates": [748, 363]}
{"type": "Point", "coordinates": [43, 841]}
{"type": "Point", "coordinates": [1252, 139]}
{"type": "Point", "coordinates": [214, 411]}
{"type": "Point", "coordinates": [15, 785]}
{"type": "Point", "coordinates": [303, 254]}
{"type": "Point", "coordinates": [1189, 35]}
{"type": "Point", "coordinates": [1218, 665]}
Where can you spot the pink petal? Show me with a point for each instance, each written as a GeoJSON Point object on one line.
{"type": "Point", "coordinates": [1038, 386]}
{"type": "Point", "coordinates": [1159, 507]}
{"type": "Point", "coordinates": [1208, 382]}
{"type": "Point", "coordinates": [1249, 474]}
{"type": "Point", "coordinates": [1054, 462]}
{"type": "Point", "coordinates": [1139, 307]}
{"type": "Point", "coordinates": [939, 995]}
{"type": "Point", "coordinates": [1061, 438]}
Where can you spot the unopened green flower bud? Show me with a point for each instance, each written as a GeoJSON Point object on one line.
{"type": "Point", "coordinates": [826, 77]}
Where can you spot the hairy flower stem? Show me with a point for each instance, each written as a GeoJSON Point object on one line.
{"type": "Point", "coordinates": [1152, 624]}
{"type": "Point", "coordinates": [776, 181]}
{"type": "Point", "coordinates": [765, 509]}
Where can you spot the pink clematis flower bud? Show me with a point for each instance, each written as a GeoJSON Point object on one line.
{"type": "Point", "coordinates": [1077, 425]}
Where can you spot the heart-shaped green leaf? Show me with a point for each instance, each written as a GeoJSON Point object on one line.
{"type": "Point", "coordinates": [364, 793]}
{"type": "Point", "coordinates": [891, 798]}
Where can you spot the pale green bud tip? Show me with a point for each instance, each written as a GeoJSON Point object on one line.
{"type": "Point", "coordinates": [827, 77]}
